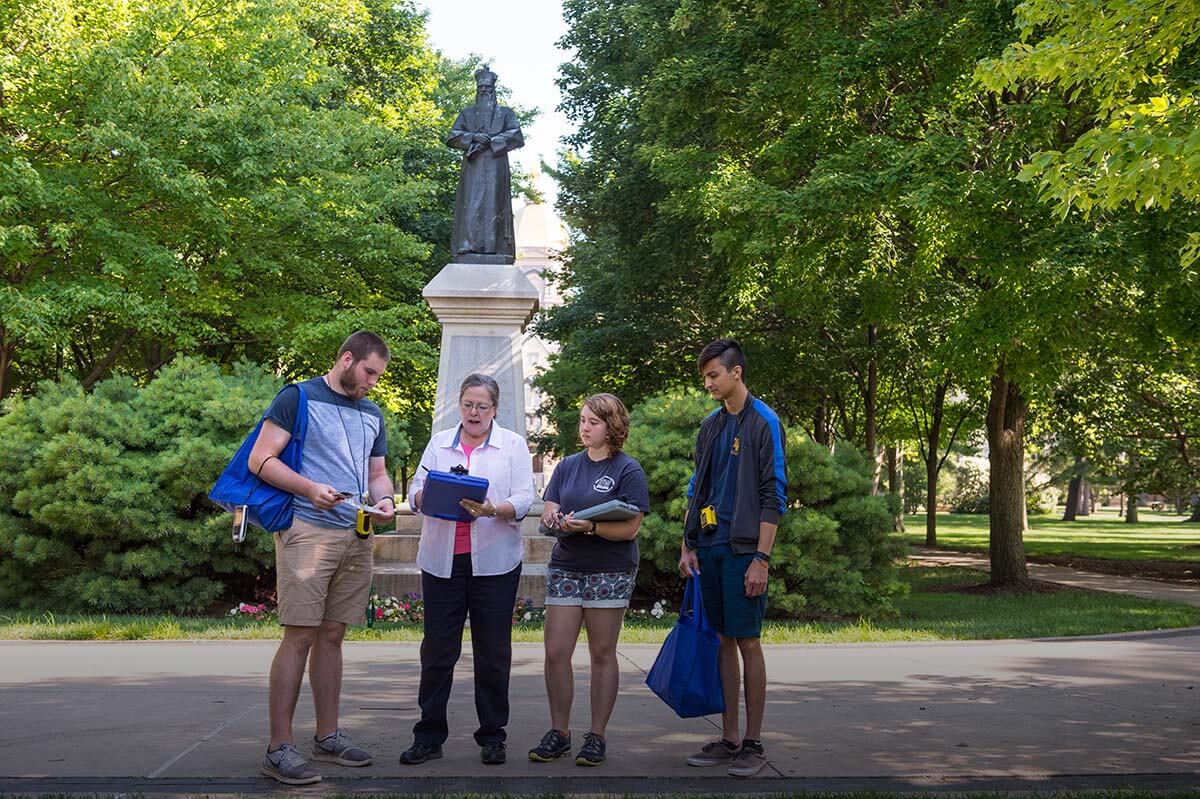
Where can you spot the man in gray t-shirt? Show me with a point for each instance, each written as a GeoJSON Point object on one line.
{"type": "Point", "coordinates": [323, 567]}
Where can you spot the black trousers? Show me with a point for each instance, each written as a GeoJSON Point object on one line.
{"type": "Point", "coordinates": [489, 601]}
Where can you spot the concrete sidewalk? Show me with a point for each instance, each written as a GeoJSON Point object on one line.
{"type": "Point", "coordinates": [190, 718]}
{"type": "Point", "coordinates": [1065, 575]}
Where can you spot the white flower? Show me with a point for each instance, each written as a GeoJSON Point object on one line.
{"type": "Point", "coordinates": [528, 616]}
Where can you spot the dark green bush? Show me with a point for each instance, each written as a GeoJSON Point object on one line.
{"type": "Point", "coordinates": [103, 495]}
{"type": "Point", "coordinates": [835, 552]}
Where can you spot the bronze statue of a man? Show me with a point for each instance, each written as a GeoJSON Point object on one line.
{"type": "Point", "coordinates": [483, 218]}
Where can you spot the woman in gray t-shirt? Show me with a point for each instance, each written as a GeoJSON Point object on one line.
{"type": "Point", "coordinates": [591, 573]}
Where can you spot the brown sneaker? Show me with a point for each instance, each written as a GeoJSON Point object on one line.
{"type": "Point", "coordinates": [716, 753]}
{"type": "Point", "coordinates": [749, 762]}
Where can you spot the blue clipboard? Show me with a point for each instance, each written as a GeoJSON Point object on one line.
{"type": "Point", "coordinates": [444, 490]}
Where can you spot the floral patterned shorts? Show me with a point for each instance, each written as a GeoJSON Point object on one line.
{"type": "Point", "coordinates": [589, 589]}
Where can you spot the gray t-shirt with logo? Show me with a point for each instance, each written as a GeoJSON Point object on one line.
{"type": "Point", "coordinates": [580, 482]}
{"type": "Point", "coordinates": [342, 436]}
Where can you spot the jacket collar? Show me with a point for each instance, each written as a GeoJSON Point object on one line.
{"type": "Point", "coordinates": [742, 413]}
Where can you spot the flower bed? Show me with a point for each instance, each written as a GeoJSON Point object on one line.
{"type": "Point", "coordinates": [385, 609]}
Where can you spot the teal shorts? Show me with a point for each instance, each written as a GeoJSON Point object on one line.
{"type": "Point", "coordinates": [723, 586]}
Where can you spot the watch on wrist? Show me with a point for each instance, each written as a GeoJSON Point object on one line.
{"type": "Point", "coordinates": [762, 556]}
{"type": "Point", "coordinates": [593, 530]}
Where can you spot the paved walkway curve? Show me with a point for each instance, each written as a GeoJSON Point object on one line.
{"type": "Point", "coordinates": [173, 718]}
{"type": "Point", "coordinates": [1065, 575]}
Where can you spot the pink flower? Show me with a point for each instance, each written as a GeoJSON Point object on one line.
{"type": "Point", "coordinates": [379, 613]}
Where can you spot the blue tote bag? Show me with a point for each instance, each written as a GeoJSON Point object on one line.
{"type": "Point", "coordinates": [686, 674]}
{"type": "Point", "coordinates": [267, 507]}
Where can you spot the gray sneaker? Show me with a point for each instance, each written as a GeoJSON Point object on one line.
{"type": "Point", "coordinates": [288, 766]}
{"type": "Point", "coordinates": [717, 753]}
{"type": "Point", "coordinates": [338, 748]}
{"type": "Point", "coordinates": [748, 762]}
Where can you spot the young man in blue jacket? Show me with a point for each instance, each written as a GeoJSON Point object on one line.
{"type": "Point", "coordinates": [736, 496]}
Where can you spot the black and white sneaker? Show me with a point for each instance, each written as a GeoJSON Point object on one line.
{"type": "Point", "coordinates": [592, 751]}
{"type": "Point", "coordinates": [716, 753]}
{"type": "Point", "coordinates": [554, 745]}
{"type": "Point", "coordinates": [750, 761]}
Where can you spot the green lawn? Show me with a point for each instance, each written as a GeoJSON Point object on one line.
{"type": "Point", "coordinates": [923, 615]}
{"type": "Point", "coordinates": [1156, 536]}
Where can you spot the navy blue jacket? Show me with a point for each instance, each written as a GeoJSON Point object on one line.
{"type": "Point", "coordinates": [761, 475]}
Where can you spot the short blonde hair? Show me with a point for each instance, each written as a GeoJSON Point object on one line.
{"type": "Point", "coordinates": [614, 415]}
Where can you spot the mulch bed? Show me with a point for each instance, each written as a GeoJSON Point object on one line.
{"type": "Point", "coordinates": [1167, 571]}
{"type": "Point", "coordinates": [987, 589]}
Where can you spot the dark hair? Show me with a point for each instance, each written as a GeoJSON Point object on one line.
{"type": "Point", "coordinates": [363, 343]}
{"type": "Point", "coordinates": [728, 351]}
{"type": "Point", "coordinates": [484, 381]}
{"type": "Point", "coordinates": [614, 415]}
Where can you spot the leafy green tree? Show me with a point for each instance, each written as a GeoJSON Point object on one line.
{"type": "Point", "coordinates": [833, 186]}
{"type": "Point", "coordinates": [1136, 62]}
{"type": "Point", "coordinates": [225, 179]}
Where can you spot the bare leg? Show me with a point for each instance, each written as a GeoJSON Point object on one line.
{"type": "Point", "coordinates": [603, 629]}
{"type": "Point", "coordinates": [756, 685]}
{"type": "Point", "coordinates": [325, 675]}
{"type": "Point", "coordinates": [287, 672]}
{"type": "Point", "coordinates": [562, 633]}
{"type": "Point", "coordinates": [731, 680]}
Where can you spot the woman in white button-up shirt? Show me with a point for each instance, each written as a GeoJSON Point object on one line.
{"type": "Point", "coordinates": [471, 568]}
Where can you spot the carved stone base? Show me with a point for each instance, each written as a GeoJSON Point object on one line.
{"type": "Point", "coordinates": [483, 309]}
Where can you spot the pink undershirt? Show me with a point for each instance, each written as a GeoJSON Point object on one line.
{"type": "Point", "coordinates": [462, 530]}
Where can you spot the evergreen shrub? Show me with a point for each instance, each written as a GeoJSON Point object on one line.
{"type": "Point", "coordinates": [103, 495]}
{"type": "Point", "coordinates": [835, 551]}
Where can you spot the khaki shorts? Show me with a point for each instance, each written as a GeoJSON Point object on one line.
{"type": "Point", "coordinates": [323, 574]}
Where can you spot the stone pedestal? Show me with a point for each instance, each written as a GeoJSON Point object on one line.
{"type": "Point", "coordinates": [483, 309]}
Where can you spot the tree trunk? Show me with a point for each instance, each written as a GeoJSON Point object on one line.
{"type": "Point", "coordinates": [933, 465]}
{"type": "Point", "coordinates": [895, 470]}
{"type": "Point", "coordinates": [1195, 517]}
{"type": "Point", "coordinates": [6, 358]}
{"type": "Point", "coordinates": [1006, 482]}
{"type": "Point", "coordinates": [821, 424]}
{"type": "Point", "coordinates": [869, 404]}
{"type": "Point", "coordinates": [1078, 492]}
{"type": "Point", "coordinates": [100, 369]}
{"type": "Point", "coordinates": [1072, 498]}
{"type": "Point", "coordinates": [931, 472]}
{"type": "Point", "coordinates": [1085, 498]}
{"type": "Point", "coordinates": [1131, 508]}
